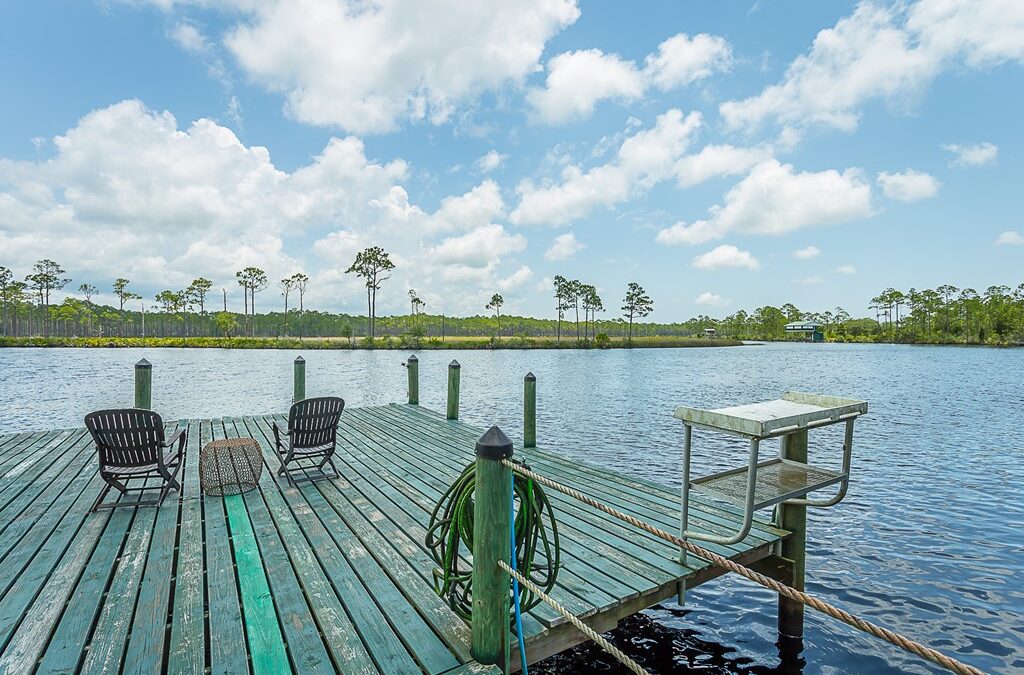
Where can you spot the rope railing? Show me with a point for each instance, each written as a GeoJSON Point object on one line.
{"type": "Point", "coordinates": [568, 616]}
{"type": "Point", "coordinates": [901, 641]}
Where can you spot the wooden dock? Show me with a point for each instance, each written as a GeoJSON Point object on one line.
{"type": "Point", "coordinates": [332, 576]}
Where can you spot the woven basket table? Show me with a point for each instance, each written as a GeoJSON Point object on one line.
{"type": "Point", "coordinates": [230, 466]}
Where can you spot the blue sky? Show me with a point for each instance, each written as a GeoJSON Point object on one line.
{"type": "Point", "coordinates": [724, 155]}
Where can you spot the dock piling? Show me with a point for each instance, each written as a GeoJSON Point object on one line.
{"type": "Point", "coordinates": [413, 365]}
{"type": "Point", "coordinates": [793, 517]}
{"type": "Point", "coordinates": [491, 518]}
{"type": "Point", "coordinates": [454, 374]}
{"type": "Point", "coordinates": [299, 383]}
{"type": "Point", "coordinates": [144, 384]}
{"type": "Point", "coordinates": [530, 411]}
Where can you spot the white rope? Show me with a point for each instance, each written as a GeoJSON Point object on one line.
{"type": "Point", "coordinates": [568, 616]}
{"type": "Point", "coordinates": [893, 637]}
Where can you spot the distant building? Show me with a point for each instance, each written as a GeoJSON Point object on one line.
{"type": "Point", "coordinates": [710, 332]}
{"type": "Point", "coordinates": [812, 331]}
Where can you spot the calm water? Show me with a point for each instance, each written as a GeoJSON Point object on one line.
{"type": "Point", "coordinates": [929, 541]}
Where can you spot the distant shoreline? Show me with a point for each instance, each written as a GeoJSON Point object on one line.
{"type": "Point", "coordinates": [385, 343]}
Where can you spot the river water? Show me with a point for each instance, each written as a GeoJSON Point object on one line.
{"type": "Point", "coordinates": [929, 541]}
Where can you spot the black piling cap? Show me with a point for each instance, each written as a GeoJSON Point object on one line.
{"type": "Point", "coordinates": [530, 377]}
{"type": "Point", "coordinates": [494, 444]}
{"type": "Point", "coordinates": [299, 359]}
{"type": "Point", "coordinates": [143, 363]}
{"type": "Point", "coordinates": [454, 364]}
{"type": "Point", "coordinates": [412, 358]}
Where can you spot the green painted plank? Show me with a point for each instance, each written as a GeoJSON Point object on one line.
{"type": "Point", "coordinates": [474, 668]}
{"type": "Point", "coordinates": [66, 649]}
{"type": "Point", "coordinates": [226, 637]}
{"type": "Point", "coordinates": [266, 644]}
{"type": "Point", "coordinates": [300, 631]}
{"type": "Point", "coordinates": [148, 632]}
{"type": "Point", "coordinates": [378, 637]}
{"type": "Point", "coordinates": [186, 651]}
{"type": "Point", "coordinates": [420, 594]}
{"type": "Point", "coordinates": [30, 451]}
{"type": "Point", "coordinates": [340, 635]}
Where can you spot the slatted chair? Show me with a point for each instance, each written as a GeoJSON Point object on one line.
{"type": "Point", "coordinates": [311, 439]}
{"type": "Point", "coordinates": [132, 448]}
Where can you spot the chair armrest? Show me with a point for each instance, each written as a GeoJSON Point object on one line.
{"type": "Point", "coordinates": [177, 438]}
{"type": "Point", "coordinates": [278, 432]}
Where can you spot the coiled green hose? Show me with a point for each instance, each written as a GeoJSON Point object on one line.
{"type": "Point", "coordinates": [451, 527]}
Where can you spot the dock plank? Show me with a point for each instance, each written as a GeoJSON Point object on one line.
{"type": "Point", "coordinates": [332, 576]}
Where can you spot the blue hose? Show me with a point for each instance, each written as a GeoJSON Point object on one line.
{"type": "Point", "coordinates": [512, 564]}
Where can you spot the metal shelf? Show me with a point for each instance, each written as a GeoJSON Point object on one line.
{"type": "Point", "coordinates": [778, 480]}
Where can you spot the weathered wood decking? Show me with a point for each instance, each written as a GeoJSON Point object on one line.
{"type": "Point", "coordinates": [331, 576]}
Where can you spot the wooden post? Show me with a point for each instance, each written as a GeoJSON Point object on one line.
{"type": "Point", "coordinates": [454, 372]}
{"type": "Point", "coordinates": [490, 544]}
{"type": "Point", "coordinates": [530, 411]}
{"type": "Point", "coordinates": [413, 364]}
{"type": "Point", "coordinates": [794, 519]}
{"type": "Point", "coordinates": [299, 379]}
{"type": "Point", "coordinates": [144, 385]}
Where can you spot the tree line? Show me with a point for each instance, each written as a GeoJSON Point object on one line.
{"type": "Point", "coordinates": [944, 315]}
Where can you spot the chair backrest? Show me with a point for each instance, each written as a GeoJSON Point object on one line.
{"type": "Point", "coordinates": [128, 437]}
{"type": "Point", "coordinates": [314, 421]}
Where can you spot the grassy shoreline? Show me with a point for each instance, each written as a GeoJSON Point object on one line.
{"type": "Point", "coordinates": [386, 342]}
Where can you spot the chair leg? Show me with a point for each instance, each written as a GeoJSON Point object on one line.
{"type": "Point", "coordinates": [99, 499]}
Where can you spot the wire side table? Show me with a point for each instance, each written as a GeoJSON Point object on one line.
{"type": "Point", "coordinates": [230, 466]}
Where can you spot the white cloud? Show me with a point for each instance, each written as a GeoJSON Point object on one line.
{"type": "Point", "coordinates": [189, 38]}
{"type": "Point", "coordinates": [811, 281]}
{"type": "Point", "coordinates": [491, 161]}
{"type": "Point", "coordinates": [846, 269]}
{"type": "Point", "coordinates": [718, 160]}
{"type": "Point", "coordinates": [367, 67]}
{"type": "Point", "coordinates": [516, 279]}
{"type": "Point", "coordinates": [773, 199]}
{"type": "Point", "coordinates": [972, 154]}
{"type": "Point", "coordinates": [126, 192]}
{"type": "Point", "coordinates": [481, 205]}
{"type": "Point", "coordinates": [712, 300]}
{"type": "Point", "coordinates": [807, 252]}
{"type": "Point", "coordinates": [682, 60]}
{"type": "Point", "coordinates": [883, 52]}
{"type": "Point", "coordinates": [643, 160]}
{"type": "Point", "coordinates": [578, 80]}
{"type": "Point", "coordinates": [726, 255]}
{"type": "Point", "coordinates": [564, 246]}
{"type": "Point", "coordinates": [909, 186]}
{"type": "Point", "coordinates": [478, 248]}
{"type": "Point", "coordinates": [1010, 237]}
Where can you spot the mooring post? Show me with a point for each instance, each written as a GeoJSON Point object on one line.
{"type": "Point", "coordinates": [144, 384]}
{"type": "Point", "coordinates": [491, 517]}
{"type": "Point", "coordinates": [299, 379]}
{"type": "Point", "coordinates": [530, 411]}
{"type": "Point", "coordinates": [794, 518]}
{"type": "Point", "coordinates": [454, 372]}
{"type": "Point", "coordinates": [413, 365]}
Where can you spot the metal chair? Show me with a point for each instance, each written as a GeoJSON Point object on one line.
{"type": "Point", "coordinates": [311, 439]}
{"type": "Point", "coordinates": [131, 447]}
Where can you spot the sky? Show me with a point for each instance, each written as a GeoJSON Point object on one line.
{"type": "Point", "coordinates": [723, 155]}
